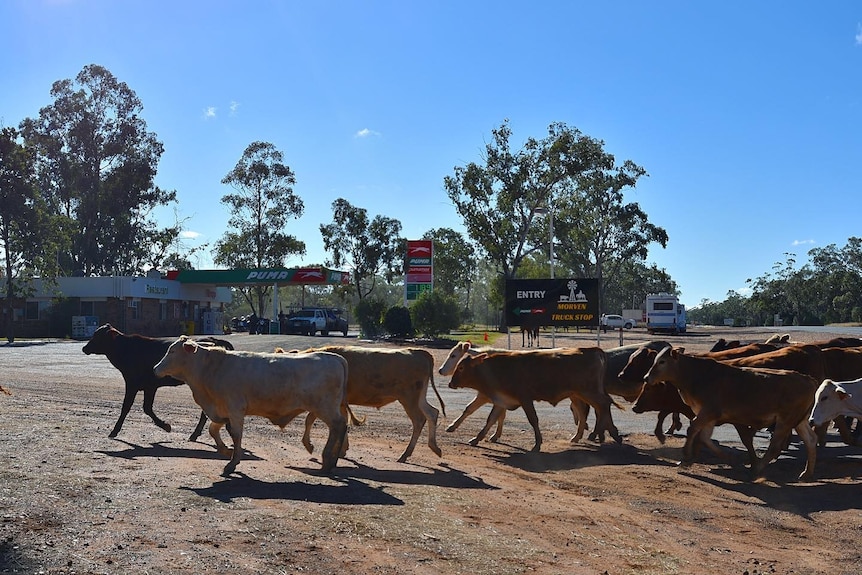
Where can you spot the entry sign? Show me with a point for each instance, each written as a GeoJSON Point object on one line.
{"type": "Point", "coordinates": [558, 302]}
{"type": "Point", "coordinates": [420, 270]}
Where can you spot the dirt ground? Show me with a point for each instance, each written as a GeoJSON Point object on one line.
{"type": "Point", "coordinates": [74, 501]}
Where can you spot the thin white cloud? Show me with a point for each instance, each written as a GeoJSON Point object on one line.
{"type": "Point", "coordinates": [209, 112]}
{"type": "Point", "coordinates": [802, 242]}
{"type": "Point", "coordinates": [189, 235]}
{"type": "Point", "coordinates": [365, 132]}
{"type": "Point", "coordinates": [234, 106]}
{"type": "Point", "coordinates": [859, 34]}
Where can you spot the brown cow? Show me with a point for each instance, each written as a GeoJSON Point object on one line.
{"type": "Point", "coordinates": [519, 378]}
{"type": "Point", "coordinates": [661, 397]}
{"type": "Point", "coordinates": [744, 396]}
{"type": "Point", "coordinates": [377, 377]}
{"type": "Point", "coordinates": [615, 359]}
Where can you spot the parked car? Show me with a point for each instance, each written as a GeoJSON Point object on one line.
{"type": "Point", "coordinates": [308, 321]}
{"type": "Point", "coordinates": [611, 321]}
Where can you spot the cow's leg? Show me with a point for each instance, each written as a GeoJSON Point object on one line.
{"type": "Point", "coordinates": [236, 424]}
{"type": "Point", "coordinates": [803, 429]}
{"type": "Point", "coordinates": [659, 426]}
{"type": "Point", "coordinates": [530, 411]}
{"type": "Point", "coordinates": [215, 433]}
{"type": "Point", "coordinates": [306, 435]}
{"type": "Point", "coordinates": [746, 434]}
{"type": "Point", "coordinates": [496, 412]}
{"type": "Point", "coordinates": [843, 427]}
{"type": "Point", "coordinates": [419, 411]}
{"type": "Point", "coordinates": [579, 413]}
{"type": "Point", "coordinates": [676, 423]}
{"type": "Point", "coordinates": [700, 423]}
{"type": "Point", "coordinates": [199, 429]}
{"type": "Point", "coordinates": [128, 401]}
{"type": "Point", "coordinates": [334, 447]}
{"type": "Point", "coordinates": [149, 398]}
{"type": "Point", "coordinates": [471, 408]}
{"type": "Point", "coordinates": [601, 404]}
{"type": "Point", "coordinates": [499, 431]}
{"type": "Point", "coordinates": [776, 445]}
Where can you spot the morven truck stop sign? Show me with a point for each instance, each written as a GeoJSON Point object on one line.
{"type": "Point", "coordinates": [553, 302]}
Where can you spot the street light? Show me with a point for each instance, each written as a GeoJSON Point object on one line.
{"type": "Point", "coordinates": [550, 213]}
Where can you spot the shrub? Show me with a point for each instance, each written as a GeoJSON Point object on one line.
{"type": "Point", "coordinates": [434, 314]}
{"type": "Point", "coordinates": [369, 316]}
{"type": "Point", "coordinates": [397, 321]}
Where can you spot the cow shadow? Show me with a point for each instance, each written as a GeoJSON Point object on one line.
{"type": "Point", "coordinates": [346, 492]}
{"type": "Point", "coordinates": [442, 475]}
{"type": "Point", "coordinates": [580, 456]}
{"type": "Point", "coordinates": [835, 486]}
{"type": "Point", "coordinates": [163, 449]}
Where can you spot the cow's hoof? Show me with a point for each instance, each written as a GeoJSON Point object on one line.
{"type": "Point", "coordinates": [474, 442]}
{"type": "Point", "coordinates": [113, 434]}
{"type": "Point", "coordinates": [451, 427]}
{"type": "Point", "coordinates": [684, 464]}
{"type": "Point", "coordinates": [437, 450]}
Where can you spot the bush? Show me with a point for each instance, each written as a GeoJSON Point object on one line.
{"type": "Point", "coordinates": [434, 314]}
{"type": "Point", "coordinates": [369, 316]}
{"type": "Point", "coordinates": [397, 321]}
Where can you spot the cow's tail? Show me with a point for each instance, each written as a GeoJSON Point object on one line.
{"type": "Point", "coordinates": [440, 399]}
{"type": "Point", "coordinates": [352, 419]}
{"type": "Point", "coordinates": [617, 405]}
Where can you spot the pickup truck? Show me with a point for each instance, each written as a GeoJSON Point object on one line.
{"type": "Point", "coordinates": [309, 321]}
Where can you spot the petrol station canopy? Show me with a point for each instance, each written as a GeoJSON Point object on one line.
{"type": "Point", "coordinates": [262, 276]}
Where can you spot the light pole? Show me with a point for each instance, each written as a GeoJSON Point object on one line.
{"type": "Point", "coordinates": [550, 213]}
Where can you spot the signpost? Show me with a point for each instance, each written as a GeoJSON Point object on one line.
{"type": "Point", "coordinates": [420, 269]}
{"type": "Point", "coordinates": [562, 302]}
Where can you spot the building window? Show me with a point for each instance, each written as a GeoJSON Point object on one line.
{"type": "Point", "coordinates": [133, 306]}
{"type": "Point", "coordinates": [163, 310]}
{"type": "Point", "coordinates": [31, 311]}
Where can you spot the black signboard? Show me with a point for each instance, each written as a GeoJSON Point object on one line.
{"type": "Point", "coordinates": [558, 302]}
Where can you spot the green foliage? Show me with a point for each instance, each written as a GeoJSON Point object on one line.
{"type": "Point", "coordinates": [260, 208]}
{"type": "Point", "coordinates": [96, 164]}
{"type": "Point", "coordinates": [371, 248]}
{"type": "Point", "coordinates": [434, 314]}
{"type": "Point", "coordinates": [397, 321]}
{"type": "Point", "coordinates": [369, 315]}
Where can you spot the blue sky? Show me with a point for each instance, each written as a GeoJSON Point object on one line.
{"type": "Point", "coordinates": [746, 115]}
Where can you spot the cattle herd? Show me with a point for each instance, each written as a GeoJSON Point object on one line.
{"type": "Point", "coordinates": [779, 386]}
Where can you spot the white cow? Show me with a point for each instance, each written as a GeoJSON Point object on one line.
{"type": "Point", "coordinates": [834, 399]}
{"type": "Point", "coordinates": [228, 385]}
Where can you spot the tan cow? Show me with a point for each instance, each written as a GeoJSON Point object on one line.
{"type": "Point", "coordinates": [229, 385]}
{"type": "Point", "coordinates": [515, 379]}
{"type": "Point", "coordinates": [377, 377]}
{"type": "Point", "coordinates": [747, 397]}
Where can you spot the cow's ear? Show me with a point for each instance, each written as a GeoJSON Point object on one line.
{"type": "Point", "coordinates": [190, 347]}
{"type": "Point", "coordinates": [464, 345]}
{"type": "Point", "coordinates": [842, 393]}
{"type": "Point", "coordinates": [674, 352]}
{"type": "Point", "coordinates": [479, 358]}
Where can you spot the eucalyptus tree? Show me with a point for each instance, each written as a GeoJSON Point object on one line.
{"type": "Point", "coordinates": [567, 174]}
{"type": "Point", "coordinates": [96, 163]}
{"type": "Point", "coordinates": [599, 233]}
{"type": "Point", "coordinates": [28, 238]}
{"type": "Point", "coordinates": [454, 262]}
{"type": "Point", "coordinates": [260, 208]}
{"type": "Point", "coordinates": [371, 248]}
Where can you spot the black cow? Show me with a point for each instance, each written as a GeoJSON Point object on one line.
{"type": "Point", "coordinates": [135, 356]}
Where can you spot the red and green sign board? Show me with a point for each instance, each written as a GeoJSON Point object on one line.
{"type": "Point", "coordinates": [280, 276]}
{"type": "Point", "coordinates": [420, 268]}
